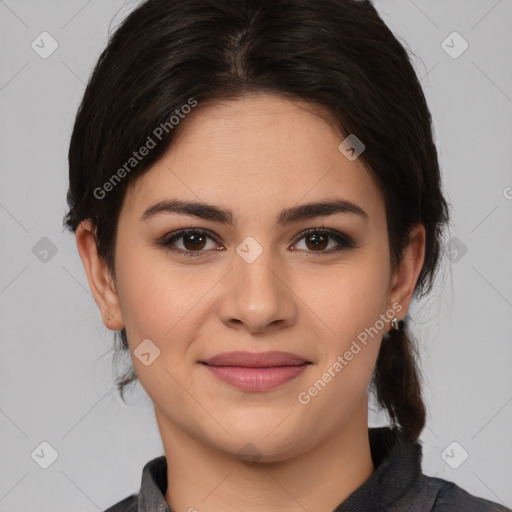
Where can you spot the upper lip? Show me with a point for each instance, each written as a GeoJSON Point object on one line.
{"type": "Point", "coordinates": [255, 359]}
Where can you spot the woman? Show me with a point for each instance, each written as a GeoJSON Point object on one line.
{"type": "Point", "coordinates": [256, 198]}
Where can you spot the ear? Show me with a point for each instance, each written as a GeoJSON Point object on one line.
{"type": "Point", "coordinates": [405, 276]}
{"type": "Point", "coordinates": [100, 280]}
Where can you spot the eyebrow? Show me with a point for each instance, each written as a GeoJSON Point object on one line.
{"type": "Point", "coordinates": [287, 216]}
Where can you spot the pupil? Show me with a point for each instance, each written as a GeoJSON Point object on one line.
{"type": "Point", "coordinates": [193, 241]}
{"type": "Point", "coordinates": [320, 241]}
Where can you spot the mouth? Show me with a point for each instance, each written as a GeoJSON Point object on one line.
{"type": "Point", "coordinates": [251, 371]}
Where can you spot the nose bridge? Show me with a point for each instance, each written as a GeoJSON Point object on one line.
{"type": "Point", "coordinates": [256, 294]}
{"type": "Point", "coordinates": [256, 270]}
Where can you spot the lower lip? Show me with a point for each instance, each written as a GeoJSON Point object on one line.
{"type": "Point", "coordinates": [256, 379]}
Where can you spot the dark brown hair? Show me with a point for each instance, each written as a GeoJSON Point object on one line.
{"type": "Point", "coordinates": [337, 54]}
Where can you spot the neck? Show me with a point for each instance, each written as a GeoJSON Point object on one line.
{"type": "Point", "coordinates": [204, 479]}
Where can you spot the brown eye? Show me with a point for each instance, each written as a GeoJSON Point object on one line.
{"type": "Point", "coordinates": [194, 242]}
{"type": "Point", "coordinates": [317, 241]}
{"type": "Point", "coordinates": [190, 242]}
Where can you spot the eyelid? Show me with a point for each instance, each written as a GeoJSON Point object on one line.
{"type": "Point", "coordinates": [166, 240]}
{"type": "Point", "coordinates": [340, 237]}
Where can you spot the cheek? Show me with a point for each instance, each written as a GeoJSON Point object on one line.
{"type": "Point", "coordinates": [347, 299]}
{"type": "Point", "coordinates": [168, 303]}
{"type": "Point", "coordinates": [162, 305]}
{"type": "Point", "coordinates": [154, 300]}
{"type": "Point", "coordinates": [159, 300]}
{"type": "Point", "coordinates": [351, 305]}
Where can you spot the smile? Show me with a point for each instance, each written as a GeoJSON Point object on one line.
{"type": "Point", "coordinates": [256, 371]}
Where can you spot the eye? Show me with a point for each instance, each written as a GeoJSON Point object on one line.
{"type": "Point", "coordinates": [317, 240]}
{"type": "Point", "coordinates": [192, 241]}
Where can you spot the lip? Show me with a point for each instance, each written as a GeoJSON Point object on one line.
{"type": "Point", "coordinates": [255, 359]}
{"type": "Point", "coordinates": [251, 371]}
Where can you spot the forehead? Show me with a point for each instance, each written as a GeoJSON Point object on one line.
{"type": "Point", "coordinates": [255, 156]}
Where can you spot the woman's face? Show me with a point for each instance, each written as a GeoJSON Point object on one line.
{"type": "Point", "coordinates": [252, 281]}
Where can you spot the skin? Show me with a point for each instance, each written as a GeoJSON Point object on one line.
{"type": "Point", "coordinates": [255, 156]}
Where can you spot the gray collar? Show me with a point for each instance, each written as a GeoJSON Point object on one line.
{"type": "Point", "coordinates": [397, 478]}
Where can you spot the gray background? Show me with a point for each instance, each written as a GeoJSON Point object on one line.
{"type": "Point", "coordinates": [56, 375]}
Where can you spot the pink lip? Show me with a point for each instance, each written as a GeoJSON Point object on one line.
{"type": "Point", "coordinates": [252, 371]}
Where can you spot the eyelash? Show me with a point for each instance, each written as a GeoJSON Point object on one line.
{"type": "Point", "coordinates": [340, 238]}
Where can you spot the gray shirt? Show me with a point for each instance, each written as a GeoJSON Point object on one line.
{"type": "Point", "coordinates": [396, 485]}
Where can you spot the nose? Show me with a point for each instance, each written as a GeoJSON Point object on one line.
{"type": "Point", "coordinates": [258, 296]}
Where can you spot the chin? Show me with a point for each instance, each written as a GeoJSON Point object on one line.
{"type": "Point", "coordinates": [258, 439]}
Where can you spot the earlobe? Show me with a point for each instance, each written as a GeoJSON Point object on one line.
{"type": "Point", "coordinates": [100, 280]}
{"type": "Point", "coordinates": [408, 271]}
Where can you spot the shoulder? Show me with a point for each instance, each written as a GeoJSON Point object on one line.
{"type": "Point", "coordinates": [129, 504]}
{"type": "Point", "coordinates": [449, 497]}
{"type": "Point", "coordinates": [152, 489]}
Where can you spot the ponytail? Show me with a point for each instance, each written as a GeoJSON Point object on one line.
{"type": "Point", "coordinates": [121, 349]}
{"type": "Point", "coordinates": [396, 382]}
